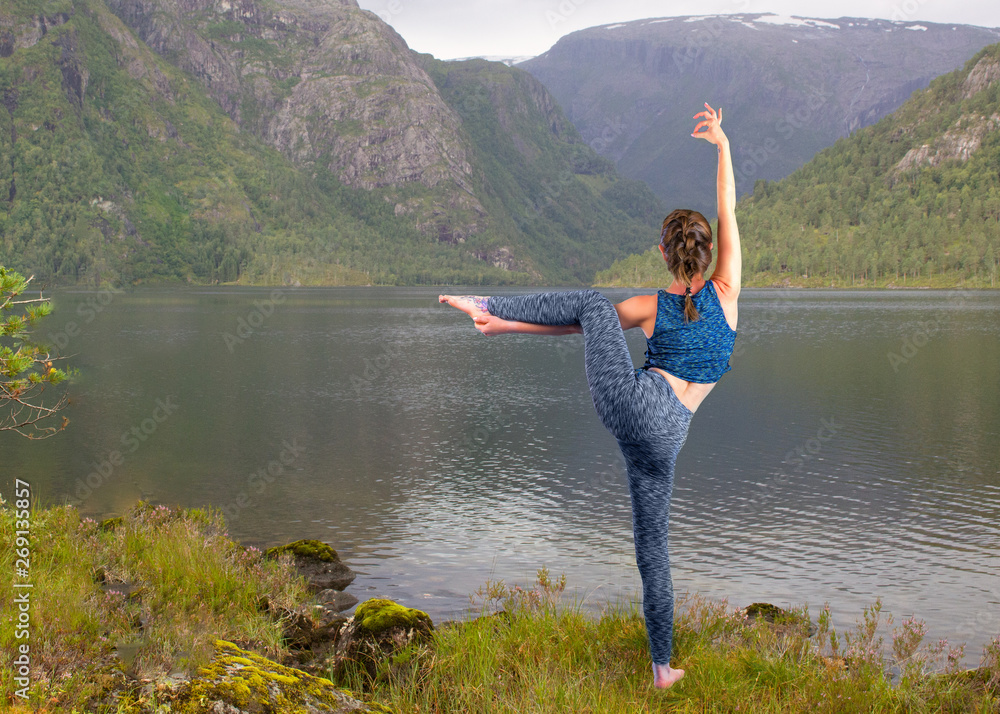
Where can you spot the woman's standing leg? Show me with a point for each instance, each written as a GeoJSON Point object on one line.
{"type": "Point", "coordinates": [650, 468]}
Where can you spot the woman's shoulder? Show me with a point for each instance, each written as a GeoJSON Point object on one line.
{"type": "Point", "coordinates": [639, 310]}
{"type": "Point", "coordinates": [644, 300]}
{"type": "Point", "coordinates": [652, 302]}
{"type": "Point", "coordinates": [711, 288]}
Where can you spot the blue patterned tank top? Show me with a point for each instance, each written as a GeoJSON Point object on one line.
{"type": "Point", "coordinates": [696, 351]}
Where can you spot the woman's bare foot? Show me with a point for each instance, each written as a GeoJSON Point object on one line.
{"type": "Point", "coordinates": [665, 677]}
{"type": "Point", "coordinates": [472, 305]}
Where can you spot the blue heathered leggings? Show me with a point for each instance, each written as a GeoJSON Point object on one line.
{"type": "Point", "coordinates": [643, 413]}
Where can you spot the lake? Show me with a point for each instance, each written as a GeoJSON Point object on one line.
{"type": "Point", "coordinates": [852, 453]}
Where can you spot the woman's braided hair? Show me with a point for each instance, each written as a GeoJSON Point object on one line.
{"type": "Point", "coordinates": [686, 238]}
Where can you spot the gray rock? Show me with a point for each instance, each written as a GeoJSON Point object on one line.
{"type": "Point", "coordinates": [325, 576]}
{"type": "Point", "coordinates": [318, 563]}
{"type": "Point", "coordinates": [336, 601]}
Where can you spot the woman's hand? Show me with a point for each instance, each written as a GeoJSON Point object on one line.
{"type": "Point", "coordinates": [491, 325]}
{"type": "Point", "coordinates": [712, 125]}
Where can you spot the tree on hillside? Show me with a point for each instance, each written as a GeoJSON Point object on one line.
{"type": "Point", "coordinates": [25, 367]}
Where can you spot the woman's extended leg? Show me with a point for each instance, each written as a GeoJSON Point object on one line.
{"type": "Point", "coordinates": [610, 372]}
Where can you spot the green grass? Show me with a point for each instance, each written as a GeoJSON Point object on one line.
{"type": "Point", "coordinates": [182, 582]}
{"type": "Point", "coordinates": [535, 655]}
{"type": "Point", "coordinates": [173, 581]}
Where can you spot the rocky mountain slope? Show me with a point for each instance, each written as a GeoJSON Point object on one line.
{"type": "Point", "coordinates": [324, 83]}
{"type": "Point", "coordinates": [788, 87]}
{"type": "Point", "coordinates": [912, 200]}
{"type": "Point", "coordinates": [212, 140]}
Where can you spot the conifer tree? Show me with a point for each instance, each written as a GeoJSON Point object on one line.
{"type": "Point", "coordinates": [26, 368]}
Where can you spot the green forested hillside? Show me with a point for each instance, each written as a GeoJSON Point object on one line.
{"type": "Point", "coordinates": [911, 200]}
{"type": "Point", "coordinates": [567, 204]}
{"type": "Point", "coordinates": [116, 166]}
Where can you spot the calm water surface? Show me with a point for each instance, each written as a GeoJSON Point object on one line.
{"type": "Point", "coordinates": [852, 453]}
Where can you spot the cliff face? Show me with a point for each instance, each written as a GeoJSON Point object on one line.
{"type": "Point", "coordinates": [788, 86]}
{"type": "Point", "coordinates": [324, 83]}
{"type": "Point", "coordinates": [961, 137]}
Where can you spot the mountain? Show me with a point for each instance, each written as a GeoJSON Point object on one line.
{"type": "Point", "coordinates": [568, 205]}
{"type": "Point", "coordinates": [912, 200]}
{"type": "Point", "coordinates": [507, 60]}
{"type": "Point", "coordinates": [327, 85]}
{"type": "Point", "coordinates": [788, 88]}
{"type": "Point", "coordinates": [213, 140]}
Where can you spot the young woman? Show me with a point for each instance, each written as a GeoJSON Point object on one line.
{"type": "Point", "coordinates": [690, 330]}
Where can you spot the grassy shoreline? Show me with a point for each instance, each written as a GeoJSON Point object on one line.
{"type": "Point", "coordinates": [648, 270]}
{"type": "Point", "coordinates": [778, 281]}
{"type": "Point", "coordinates": [641, 277]}
{"type": "Point", "coordinates": [124, 609]}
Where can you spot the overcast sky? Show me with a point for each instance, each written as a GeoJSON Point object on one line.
{"type": "Point", "coordinates": [449, 29]}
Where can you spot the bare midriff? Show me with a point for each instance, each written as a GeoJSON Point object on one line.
{"type": "Point", "coordinates": [690, 394]}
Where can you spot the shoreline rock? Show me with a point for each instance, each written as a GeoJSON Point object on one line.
{"type": "Point", "coordinates": [242, 682]}
{"type": "Point", "coordinates": [322, 640]}
{"type": "Point", "coordinates": [336, 601]}
{"type": "Point", "coordinates": [378, 630]}
{"type": "Point", "coordinates": [781, 619]}
{"type": "Point", "coordinates": [318, 563]}
{"type": "Point", "coordinates": [312, 628]}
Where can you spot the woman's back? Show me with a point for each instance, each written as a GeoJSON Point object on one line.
{"type": "Point", "coordinates": [695, 351]}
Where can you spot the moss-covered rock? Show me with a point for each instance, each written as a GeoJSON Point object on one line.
{"type": "Point", "coordinates": [771, 613]}
{"type": "Point", "coordinates": [306, 549]}
{"type": "Point", "coordinates": [780, 618]}
{"type": "Point", "coordinates": [242, 682]}
{"type": "Point", "coordinates": [379, 630]}
{"type": "Point", "coordinates": [318, 563]}
{"type": "Point", "coordinates": [377, 615]}
{"type": "Point", "coordinates": [110, 524]}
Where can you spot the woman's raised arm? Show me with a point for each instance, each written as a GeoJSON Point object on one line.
{"type": "Point", "coordinates": [729, 262]}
